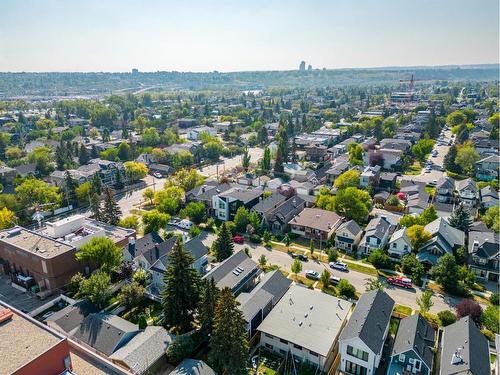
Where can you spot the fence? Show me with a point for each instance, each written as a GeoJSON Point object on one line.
{"type": "Point", "coordinates": [51, 303]}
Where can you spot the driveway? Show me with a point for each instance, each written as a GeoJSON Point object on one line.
{"type": "Point", "coordinates": [23, 301]}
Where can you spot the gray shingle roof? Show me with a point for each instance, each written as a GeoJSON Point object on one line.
{"type": "Point", "coordinates": [464, 340]}
{"type": "Point", "coordinates": [350, 226]}
{"type": "Point", "coordinates": [192, 367]}
{"type": "Point", "coordinates": [104, 332]}
{"type": "Point", "coordinates": [72, 316]}
{"type": "Point", "coordinates": [224, 274]}
{"type": "Point", "coordinates": [377, 227]}
{"type": "Point", "coordinates": [370, 319]}
{"type": "Point", "coordinates": [414, 333]}
{"type": "Point", "coordinates": [269, 203]}
{"type": "Point", "coordinates": [144, 349]}
{"type": "Point", "coordinates": [453, 236]}
{"type": "Point", "coordinates": [271, 288]}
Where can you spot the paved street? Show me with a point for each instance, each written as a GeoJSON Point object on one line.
{"type": "Point", "coordinates": [437, 162]}
{"type": "Point", "coordinates": [358, 279]}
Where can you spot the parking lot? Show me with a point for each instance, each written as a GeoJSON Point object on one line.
{"type": "Point", "coordinates": [25, 302]}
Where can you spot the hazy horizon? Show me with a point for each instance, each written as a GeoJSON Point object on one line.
{"type": "Point", "coordinates": [230, 36]}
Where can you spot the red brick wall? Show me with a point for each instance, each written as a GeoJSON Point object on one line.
{"type": "Point", "coordinates": [49, 363]}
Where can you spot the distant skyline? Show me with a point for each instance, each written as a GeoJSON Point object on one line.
{"type": "Point", "coordinates": [224, 35]}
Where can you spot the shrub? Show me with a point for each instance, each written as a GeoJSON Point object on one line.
{"type": "Point", "coordinates": [332, 255]}
{"type": "Point", "coordinates": [194, 231]}
{"type": "Point", "coordinates": [180, 349]}
{"type": "Point", "coordinates": [255, 238]}
{"type": "Point", "coordinates": [494, 299]}
{"type": "Point", "coordinates": [379, 259]}
{"type": "Point", "coordinates": [446, 317]}
{"type": "Point", "coordinates": [490, 318]}
{"type": "Point", "coordinates": [345, 289]}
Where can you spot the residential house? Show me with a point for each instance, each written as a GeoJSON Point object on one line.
{"type": "Point", "coordinates": [194, 133]}
{"type": "Point", "coordinates": [136, 247]}
{"type": "Point", "coordinates": [7, 174]}
{"type": "Point", "coordinates": [299, 327]}
{"type": "Point", "coordinates": [277, 219]}
{"type": "Point", "coordinates": [320, 174]}
{"type": "Point", "coordinates": [163, 169]}
{"type": "Point", "coordinates": [227, 203]}
{"type": "Point", "coordinates": [389, 159]}
{"type": "Point", "coordinates": [348, 236]}
{"type": "Point", "coordinates": [464, 349]}
{"type": "Point", "coordinates": [238, 272]}
{"type": "Point", "coordinates": [302, 188]}
{"type": "Point", "coordinates": [488, 168]}
{"type": "Point", "coordinates": [444, 190]}
{"type": "Point", "coordinates": [105, 332]}
{"type": "Point", "coordinates": [377, 233]}
{"type": "Point", "coordinates": [186, 122]}
{"type": "Point", "coordinates": [484, 255]}
{"type": "Point", "coordinates": [146, 158]}
{"type": "Point", "coordinates": [467, 191]}
{"type": "Point", "coordinates": [316, 153]}
{"type": "Point", "coordinates": [272, 128]}
{"type": "Point", "coordinates": [205, 194]}
{"type": "Point", "coordinates": [395, 144]}
{"type": "Point", "coordinates": [370, 176]}
{"type": "Point", "coordinates": [158, 265]}
{"type": "Point", "coordinates": [144, 351]}
{"type": "Point", "coordinates": [226, 126]}
{"type": "Point", "coordinates": [69, 319]}
{"type": "Point", "coordinates": [258, 303]}
{"type": "Point", "coordinates": [362, 340]}
{"type": "Point", "coordinates": [26, 170]}
{"type": "Point", "coordinates": [413, 349]}
{"type": "Point", "coordinates": [387, 181]}
{"type": "Point", "coordinates": [268, 204]}
{"type": "Point", "coordinates": [489, 197]}
{"type": "Point", "coordinates": [445, 239]}
{"type": "Point", "coordinates": [399, 244]}
{"type": "Point", "coordinates": [315, 224]}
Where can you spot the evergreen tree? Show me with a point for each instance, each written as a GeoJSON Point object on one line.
{"type": "Point", "coordinates": [60, 158]}
{"type": "Point", "coordinates": [265, 164]}
{"type": "Point", "coordinates": [70, 187]}
{"type": "Point", "coordinates": [119, 181]}
{"type": "Point", "coordinates": [93, 152]}
{"type": "Point", "coordinates": [228, 344]}
{"type": "Point", "coordinates": [223, 245]}
{"type": "Point", "coordinates": [461, 219]}
{"type": "Point", "coordinates": [449, 160]}
{"type": "Point", "coordinates": [262, 135]}
{"type": "Point", "coordinates": [206, 310]}
{"type": "Point", "coordinates": [96, 184]}
{"type": "Point", "coordinates": [83, 155]}
{"type": "Point", "coordinates": [180, 294]}
{"type": "Point", "coordinates": [112, 211]}
{"type": "Point", "coordinates": [245, 160]}
{"type": "Point", "coordinates": [124, 132]}
{"type": "Point", "coordinates": [95, 207]}
{"type": "Point", "coordinates": [278, 161]}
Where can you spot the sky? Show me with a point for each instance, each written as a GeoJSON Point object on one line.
{"type": "Point", "coordinates": [238, 35]}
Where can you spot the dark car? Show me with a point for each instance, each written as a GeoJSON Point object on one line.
{"type": "Point", "coordinates": [301, 257]}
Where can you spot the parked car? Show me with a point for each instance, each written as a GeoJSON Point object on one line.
{"type": "Point", "coordinates": [157, 175]}
{"type": "Point", "coordinates": [334, 280]}
{"type": "Point", "coordinates": [301, 257]}
{"type": "Point", "coordinates": [339, 266]}
{"type": "Point", "coordinates": [400, 281]}
{"type": "Point", "coordinates": [238, 239]}
{"type": "Point", "coordinates": [433, 182]}
{"type": "Point", "coordinates": [185, 224]}
{"type": "Point", "coordinates": [314, 275]}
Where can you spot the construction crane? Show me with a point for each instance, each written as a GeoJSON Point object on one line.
{"type": "Point", "coordinates": [411, 86]}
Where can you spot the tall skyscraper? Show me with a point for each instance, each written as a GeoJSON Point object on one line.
{"type": "Point", "coordinates": [302, 66]}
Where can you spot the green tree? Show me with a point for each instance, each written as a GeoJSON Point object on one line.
{"type": "Point", "coordinates": [96, 184]}
{"type": "Point", "coordinates": [96, 289]}
{"type": "Point", "coordinates": [445, 272]}
{"type": "Point", "coordinates": [379, 259]}
{"type": "Point", "coordinates": [418, 236]}
{"type": "Point", "coordinates": [154, 220]}
{"type": "Point", "coordinates": [455, 118]}
{"type": "Point", "coordinates": [228, 345]}
{"type": "Point", "coordinates": [265, 163]}
{"type": "Point", "coordinates": [7, 218]}
{"type": "Point", "coordinates": [208, 301]}
{"type": "Point", "coordinates": [345, 289]}
{"type": "Point", "coordinates": [287, 240]}
{"type": "Point", "coordinates": [411, 266]}
{"type": "Point", "coordinates": [491, 218]}
{"type": "Point", "coordinates": [490, 318]}
{"type": "Point", "coordinates": [353, 203]}
{"type": "Point", "coordinates": [180, 294]}
{"type": "Point", "coordinates": [131, 222]}
{"type": "Point", "coordinates": [213, 150]}
{"type": "Point", "coordinates": [347, 179]}
{"type": "Point", "coordinates": [149, 195]}
{"type": "Point", "coordinates": [460, 219]}
{"type": "Point", "coordinates": [131, 295]}
{"type": "Point", "coordinates": [196, 211]}
{"type": "Point", "coordinates": [83, 155]}
{"type": "Point", "coordinates": [70, 186]}
{"type": "Point", "coordinates": [33, 192]}
{"type": "Point", "coordinates": [83, 192]}
{"type": "Point", "coordinates": [425, 301]}
{"type": "Point", "coordinates": [245, 159]}
{"type": "Point", "coordinates": [186, 179]}
{"type": "Point", "coordinates": [449, 160]}
{"type": "Point", "coordinates": [296, 267]}
{"type": "Point", "coordinates": [467, 157]}
{"type": "Point", "coordinates": [100, 252]}
{"type": "Point", "coordinates": [241, 219]}
{"type": "Point", "coordinates": [374, 284]}
{"type": "Point", "coordinates": [446, 317]}
{"type": "Point", "coordinates": [169, 199]}
{"type": "Point", "coordinates": [223, 246]}
{"type": "Point", "coordinates": [262, 261]}
{"type": "Point", "coordinates": [356, 154]}
{"type": "Point", "coordinates": [324, 279]}
{"type": "Point", "coordinates": [150, 137]}
{"type": "Point", "coordinates": [422, 148]}
{"type": "Point", "coordinates": [124, 151]}
{"type": "Point", "coordinates": [311, 247]}
{"type": "Point", "coordinates": [135, 170]}
{"type": "Point", "coordinates": [140, 277]}
{"type": "Point", "coordinates": [112, 211]}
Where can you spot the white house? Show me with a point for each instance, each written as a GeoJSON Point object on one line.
{"type": "Point", "coordinates": [467, 191]}
{"type": "Point", "coordinates": [194, 133]}
{"type": "Point", "coordinates": [362, 340]}
{"type": "Point", "coordinates": [399, 244]}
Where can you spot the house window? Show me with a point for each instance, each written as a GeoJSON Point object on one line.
{"type": "Point", "coordinates": [269, 336]}
{"type": "Point", "coordinates": [358, 353]}
{"type": "Point", "coordinates": [269, 346]}
{"type": "Point", "coordinates": [406, 247]}
{"type": "Point", "coordinates": [313, 353]}
{"type": "Point", "coordinates": [283, 341]}
{"type": "Point", "coordinates": [402, 358]}
{"type": "Point", "coordinates": [394, 245]}
{"type": "Point", "coordinates": [355, 369]}
{"type": "Point", "coordinates": [222, 205]}
{"type": "Point", "coordinates": [417, 365]}
{"type": "Point", "coordinates": [297, 346]}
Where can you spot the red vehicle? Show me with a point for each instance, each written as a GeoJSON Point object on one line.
{"type": "Point", "coordinates": [400, 281]}
{"type": "Point", "coordinates": [238, 239]}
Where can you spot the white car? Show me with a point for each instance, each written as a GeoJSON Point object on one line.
{"type": "Point", "coordinates": [339, 266]}
{"type": "Point", "coordinates": [314, 275]}
{"type": "Point", "coordinates": [185, 224]}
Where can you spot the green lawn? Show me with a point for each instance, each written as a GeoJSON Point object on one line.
{"type": "Point", "coordinates": [361, 268]}
{"type": "Point", "coordinates": [414, 169]}
{"type": "Point", "coordinates": [403, 309]}
{"type": "Point", "coordinates": [393, 326]}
